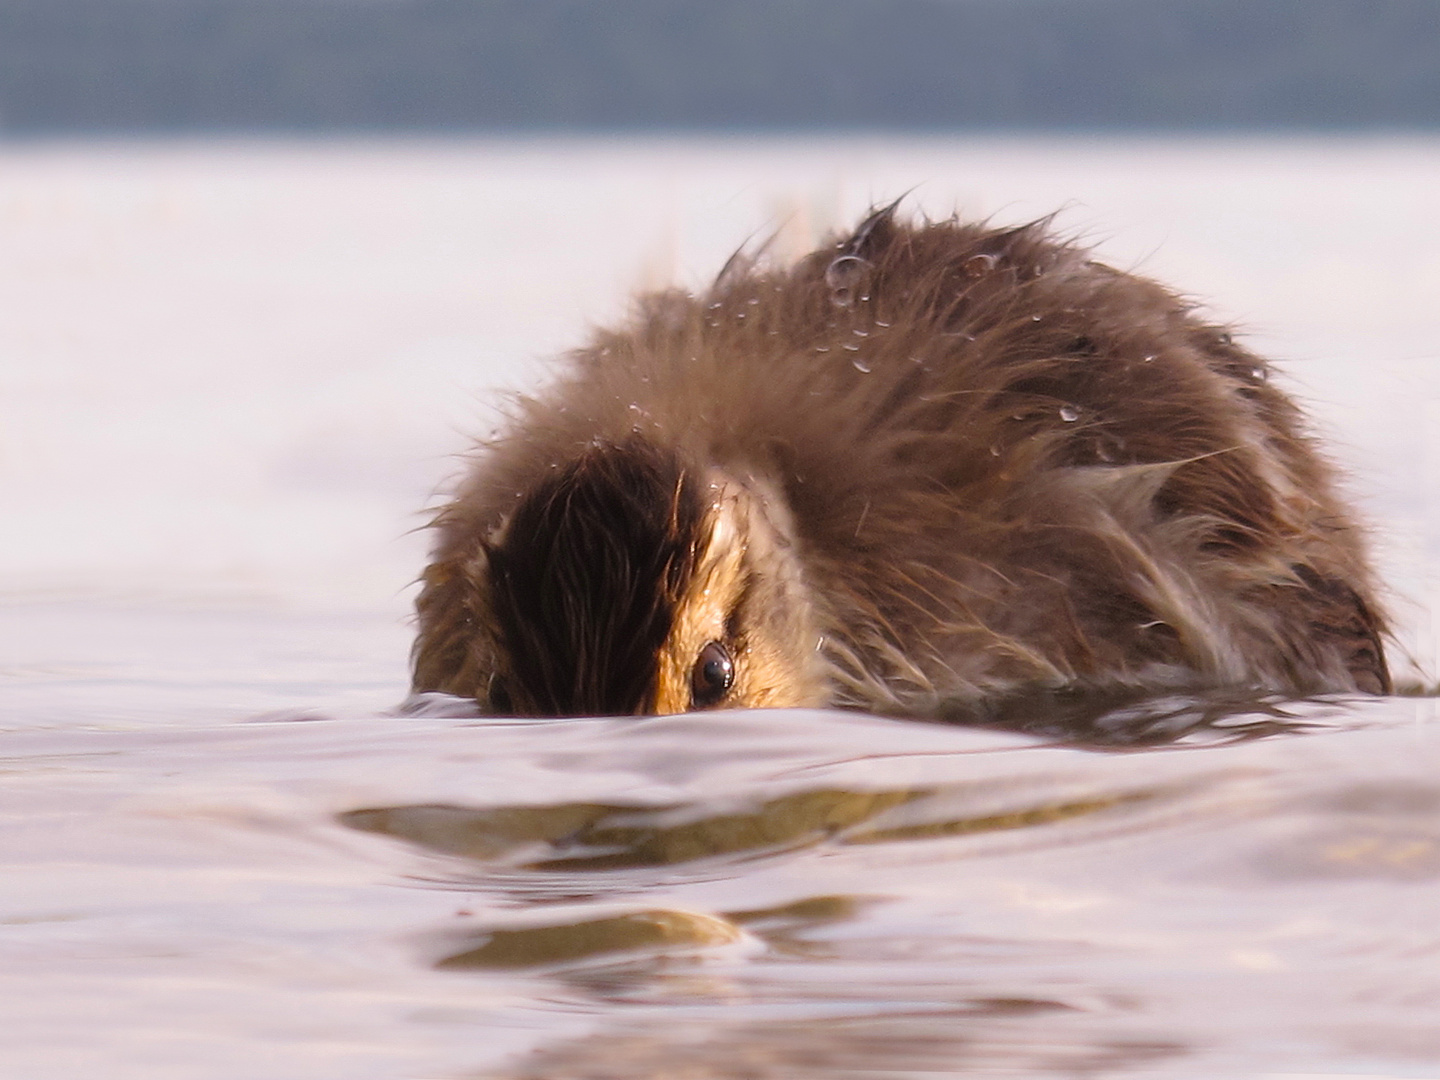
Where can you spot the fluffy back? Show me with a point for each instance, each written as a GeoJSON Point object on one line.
{"type": "Point", "coordinates": [1008, 465]}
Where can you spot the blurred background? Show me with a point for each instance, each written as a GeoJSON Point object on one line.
{"type": "Point", "coordinates": [144, 66]}
{"type": "Point", "coordinates": [267, 266]}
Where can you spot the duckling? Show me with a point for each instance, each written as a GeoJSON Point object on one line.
{"type": "Point", "coordinates": [927, 467]}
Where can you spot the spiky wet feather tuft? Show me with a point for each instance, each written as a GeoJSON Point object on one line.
{"type": "Point", "coordinates": [1003, 466]}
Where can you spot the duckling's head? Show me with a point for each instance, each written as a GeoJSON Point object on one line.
{"type": "Point", "coordinates": [632, 581]}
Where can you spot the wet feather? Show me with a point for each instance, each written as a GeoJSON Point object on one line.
{"type": "Point", "coordinates": [926, 467]}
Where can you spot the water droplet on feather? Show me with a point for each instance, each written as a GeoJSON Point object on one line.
{"type": "Point", "coordinates": [844, 275]}
{"type": "Point", "coordinates": [978, 265]}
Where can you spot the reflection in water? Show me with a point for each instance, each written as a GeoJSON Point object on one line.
{"type": "Point", "coordinates": [1135, 719]}
{"type": "Point", "coordinates": [567, 943]}
{"type": "Point", "coordinates": [994, 1037]}
{"type": "Point", "coordinates": [782, 926]}
{"type": "Point", "coordinates": [635, 938]}
{"type": "Point", "coordinates": [588, 836]}
{"type": "Point", "coordinates": [482, 834]}
{"type": "Point", "coordinates": [580, 839]}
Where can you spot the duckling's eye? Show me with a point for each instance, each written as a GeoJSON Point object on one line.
{"type": "Point", "coordinates": [711, 676]}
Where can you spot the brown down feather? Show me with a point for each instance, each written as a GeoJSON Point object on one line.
{"type": "Point", "coordinates": [1007, 466]}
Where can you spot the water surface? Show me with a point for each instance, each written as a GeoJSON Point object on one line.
{"type": "Point", "coordinates": [728, 894]}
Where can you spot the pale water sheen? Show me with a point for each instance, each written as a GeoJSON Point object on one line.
{"type": "Point", "coordinates": [786, 894]}
{"type": "Point", "coordinates": [229, 377]}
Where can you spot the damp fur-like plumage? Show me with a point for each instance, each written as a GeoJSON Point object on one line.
{"type": "Point", "coordinates": [925, 468]}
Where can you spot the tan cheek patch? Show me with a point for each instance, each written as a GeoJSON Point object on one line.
{"type": "Point", "coordinates": [765, 674]}
{"type": "Point", "coordinates": [699, 619]}
{"type": "Point", "coordinates": [770, 672]}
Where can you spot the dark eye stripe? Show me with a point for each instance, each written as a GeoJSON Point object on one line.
{"type": "Point", "coordinates": [712, 676]}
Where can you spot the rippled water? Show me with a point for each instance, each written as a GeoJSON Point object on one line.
{"type": "Point", "coordinates": [784, 894]}
{"type": "Point", "coordinates": [228, 378]}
